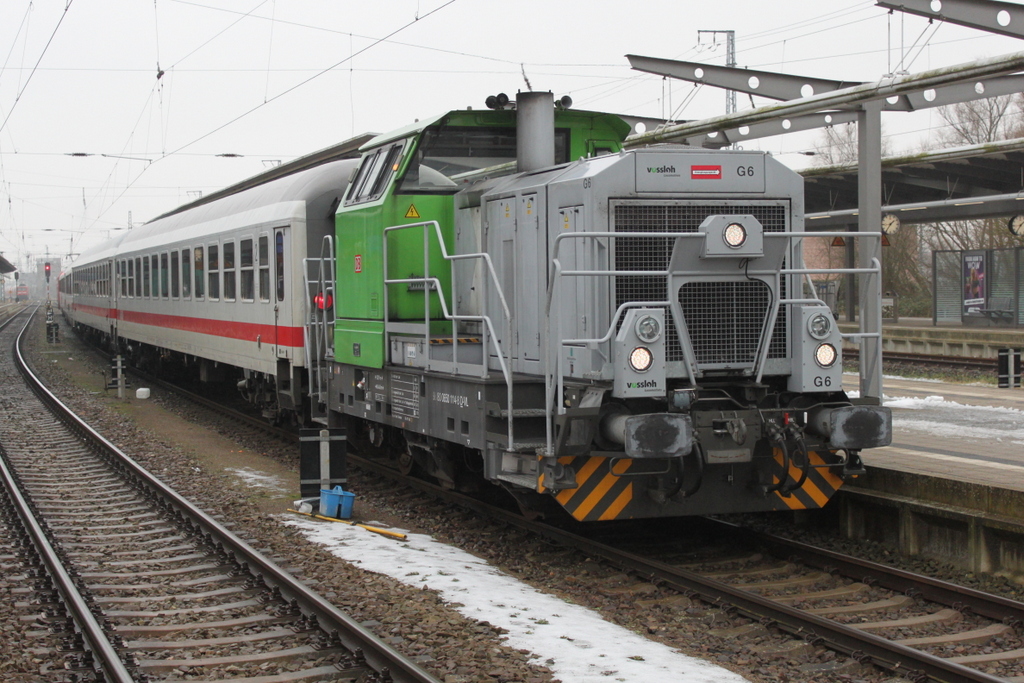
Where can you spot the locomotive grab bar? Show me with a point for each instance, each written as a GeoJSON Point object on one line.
{"type": "Point", "coordinates": [453, 316]}
{"type": "Point", "coordinates": [554, 366]}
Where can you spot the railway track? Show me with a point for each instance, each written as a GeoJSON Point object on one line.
{"type": "Point", "coordinates": [955, 362]}
{"type": "Point", "coordinates": [127, 581]}
{"type": "Point", "coordinates": [873, 614]}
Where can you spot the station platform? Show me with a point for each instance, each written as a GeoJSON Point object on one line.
{"type": "Point", "coordinates": [920, 335]}
{"type": "Point", "coordinates": [951, 485]}
{"type": "Point", "coordinates": [967, 432]}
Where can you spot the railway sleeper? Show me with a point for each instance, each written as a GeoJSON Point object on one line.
{"type": "Point", "coordinates": [289, 654]}
{"type": "Point", "coordinates": [943, 616]}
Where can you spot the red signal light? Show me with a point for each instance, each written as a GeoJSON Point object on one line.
{"type": "Point", "coordinates": [322, 302]}
{"type": "Point", "coordinates": [46, 269]}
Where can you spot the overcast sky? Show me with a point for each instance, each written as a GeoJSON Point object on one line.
{"type": "Point", "coordinates": [271, 80]}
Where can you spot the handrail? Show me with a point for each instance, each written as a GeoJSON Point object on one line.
{"type": "Point", "coordinates": [453, 315]}
{"type": "Point", "coordinates": [554, 379]}
{"type": "Point", "coordinates": [316, 340]}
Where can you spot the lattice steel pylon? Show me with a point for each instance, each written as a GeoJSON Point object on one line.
{"type": "Point", "coordinates": [730, 60]}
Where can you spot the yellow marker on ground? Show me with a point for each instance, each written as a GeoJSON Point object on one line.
{"type": "Point", "coordinates": [376, 530]}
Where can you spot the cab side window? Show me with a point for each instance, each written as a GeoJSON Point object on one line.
{"type": "Point", "coordinates": [375, 173]}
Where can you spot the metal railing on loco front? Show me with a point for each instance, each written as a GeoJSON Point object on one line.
{"type": "Point", "coordinates": [432, 285]}
{"type": "Point", "coordinates": [554, 344]}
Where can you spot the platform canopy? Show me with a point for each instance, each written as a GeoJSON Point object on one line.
{"type": "Point", "coordinates": [977, 181]}
{"type": "Point", "coordinates": [6, 266]}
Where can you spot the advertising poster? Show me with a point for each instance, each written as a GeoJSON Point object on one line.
{"type": "Point", "coordinates": [974, 282]}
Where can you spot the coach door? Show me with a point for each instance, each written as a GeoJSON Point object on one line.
{"type": "Point", "coordinates": [113, 283]}
{"type": "Point", "coordinates": [282, 311]}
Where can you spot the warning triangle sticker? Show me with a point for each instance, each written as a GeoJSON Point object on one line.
{"type": "Point", "coordinates": [885, 240]}
{"type": "Point", "coordinates": [412, 212]}
{"type": "Point", "coordinates": [838, 242]}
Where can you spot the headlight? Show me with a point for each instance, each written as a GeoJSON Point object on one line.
{"type": "Point", "coordinates": [648, 329]}
{"type": "Point", "coordinates": [819, 326]}
{"type": "Point", "coordinates": [735, 235]}
{"type": "Point", "coordinates": [825, 355]}
{"type": "Point", "coordinates": [640, 359]}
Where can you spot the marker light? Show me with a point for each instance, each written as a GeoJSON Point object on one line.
{"type": "Point", "coordinates": [323, 302]}
{"type": "Point", "coordinates": [648, 329]}
{"type": "Point", "coordinates": [825, 355]}
{"type": "Point", "coordinates": [735, 235]}
{"type": "Point", "coordinates": [819, 326]}
{"type": "Point", "coordinates": [640, 359]}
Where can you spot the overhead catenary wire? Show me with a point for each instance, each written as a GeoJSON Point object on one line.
{"type": "Point", "coordinates": [278, 96]}
{"type": "Point", "coordinates": [42, 54]}
{"type": "Point", "coordinates": [314, 77]}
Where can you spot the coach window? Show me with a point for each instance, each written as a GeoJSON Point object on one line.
{"type": "Point", "coordinates": [131, 277]}
{"type": "Point", "coordinates": [165, 291]}
{"type": "Point", "coordinates": [200, 272]}
{"type": "Point", "coordinates": [229, 271]}
{"type": "Point", "coordinates": [213, 271]}
{"type": "Point", "coordinates": [279, 262]}
{"type": "Point", "coordinates": [138, 277]}
{"type": "Point", "coordinates": [264, 268]}
{"type": "Point", "coordinates": [186, 274]}
{"type": "Point", "coordinates": [155, 275]}
{"type": "Point", "coordinates": [145, 276]}
{"type": "Point", "coordinates": [175, 274]}
{"type": "Point", "coordinates": [245, 273]}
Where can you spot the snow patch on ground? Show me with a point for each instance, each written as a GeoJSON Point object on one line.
{"type": "Point", "coordinates": [575, 642]}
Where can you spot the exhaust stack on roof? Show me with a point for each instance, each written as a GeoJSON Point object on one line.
{"type": "Point", "coordinates": [535, 134]}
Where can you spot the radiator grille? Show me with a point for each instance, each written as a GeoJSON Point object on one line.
{"type": "Point", "coordinates": [647, 253]}
{"type": "Point", "coordinates": [725, 319]}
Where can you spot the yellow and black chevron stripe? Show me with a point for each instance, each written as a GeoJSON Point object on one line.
{"type": "Point", "coordinates": [602, 494]}
{"type": "Point", "coordinates": [821, 484]}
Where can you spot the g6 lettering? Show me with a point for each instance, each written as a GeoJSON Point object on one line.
{"type": "Point", "coordinates": [745, 171]}
{"type": "Point", "coordinates": [823, 381]}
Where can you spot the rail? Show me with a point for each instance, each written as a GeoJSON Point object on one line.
{"type": "Point", "coordinates": [93, 635]}
{"type": "Point", "coordinates": [554, 343]}
{"type": "Point", "coordinates": [352, 635]}
{"type": "Point", "coordinates": [433, 284]}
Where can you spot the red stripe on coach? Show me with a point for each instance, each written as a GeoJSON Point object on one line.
{"type": "Point", "coordinates": [285, 336]}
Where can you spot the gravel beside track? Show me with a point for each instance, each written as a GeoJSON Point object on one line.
{"type": "Point", "coordinates": [451, 647]}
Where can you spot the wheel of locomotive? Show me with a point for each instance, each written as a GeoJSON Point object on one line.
{"type": "Point", "coordinates": [534, 506]}
{"type": "Point", "coordinates": [406, 462]}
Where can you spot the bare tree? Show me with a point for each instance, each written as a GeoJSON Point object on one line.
{"type": "Point", "coordinates": [979, 121]}
{"type": "Point", "coordinates": [837, 145]}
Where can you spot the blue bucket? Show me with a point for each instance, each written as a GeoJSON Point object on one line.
{"type": "Point", "coordinates": [336, 503]}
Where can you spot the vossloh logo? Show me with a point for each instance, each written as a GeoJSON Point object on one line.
{"type": "Point", "coordinates": [663, 170]}
{"type": "Point", "coordinates": [646, 384]}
